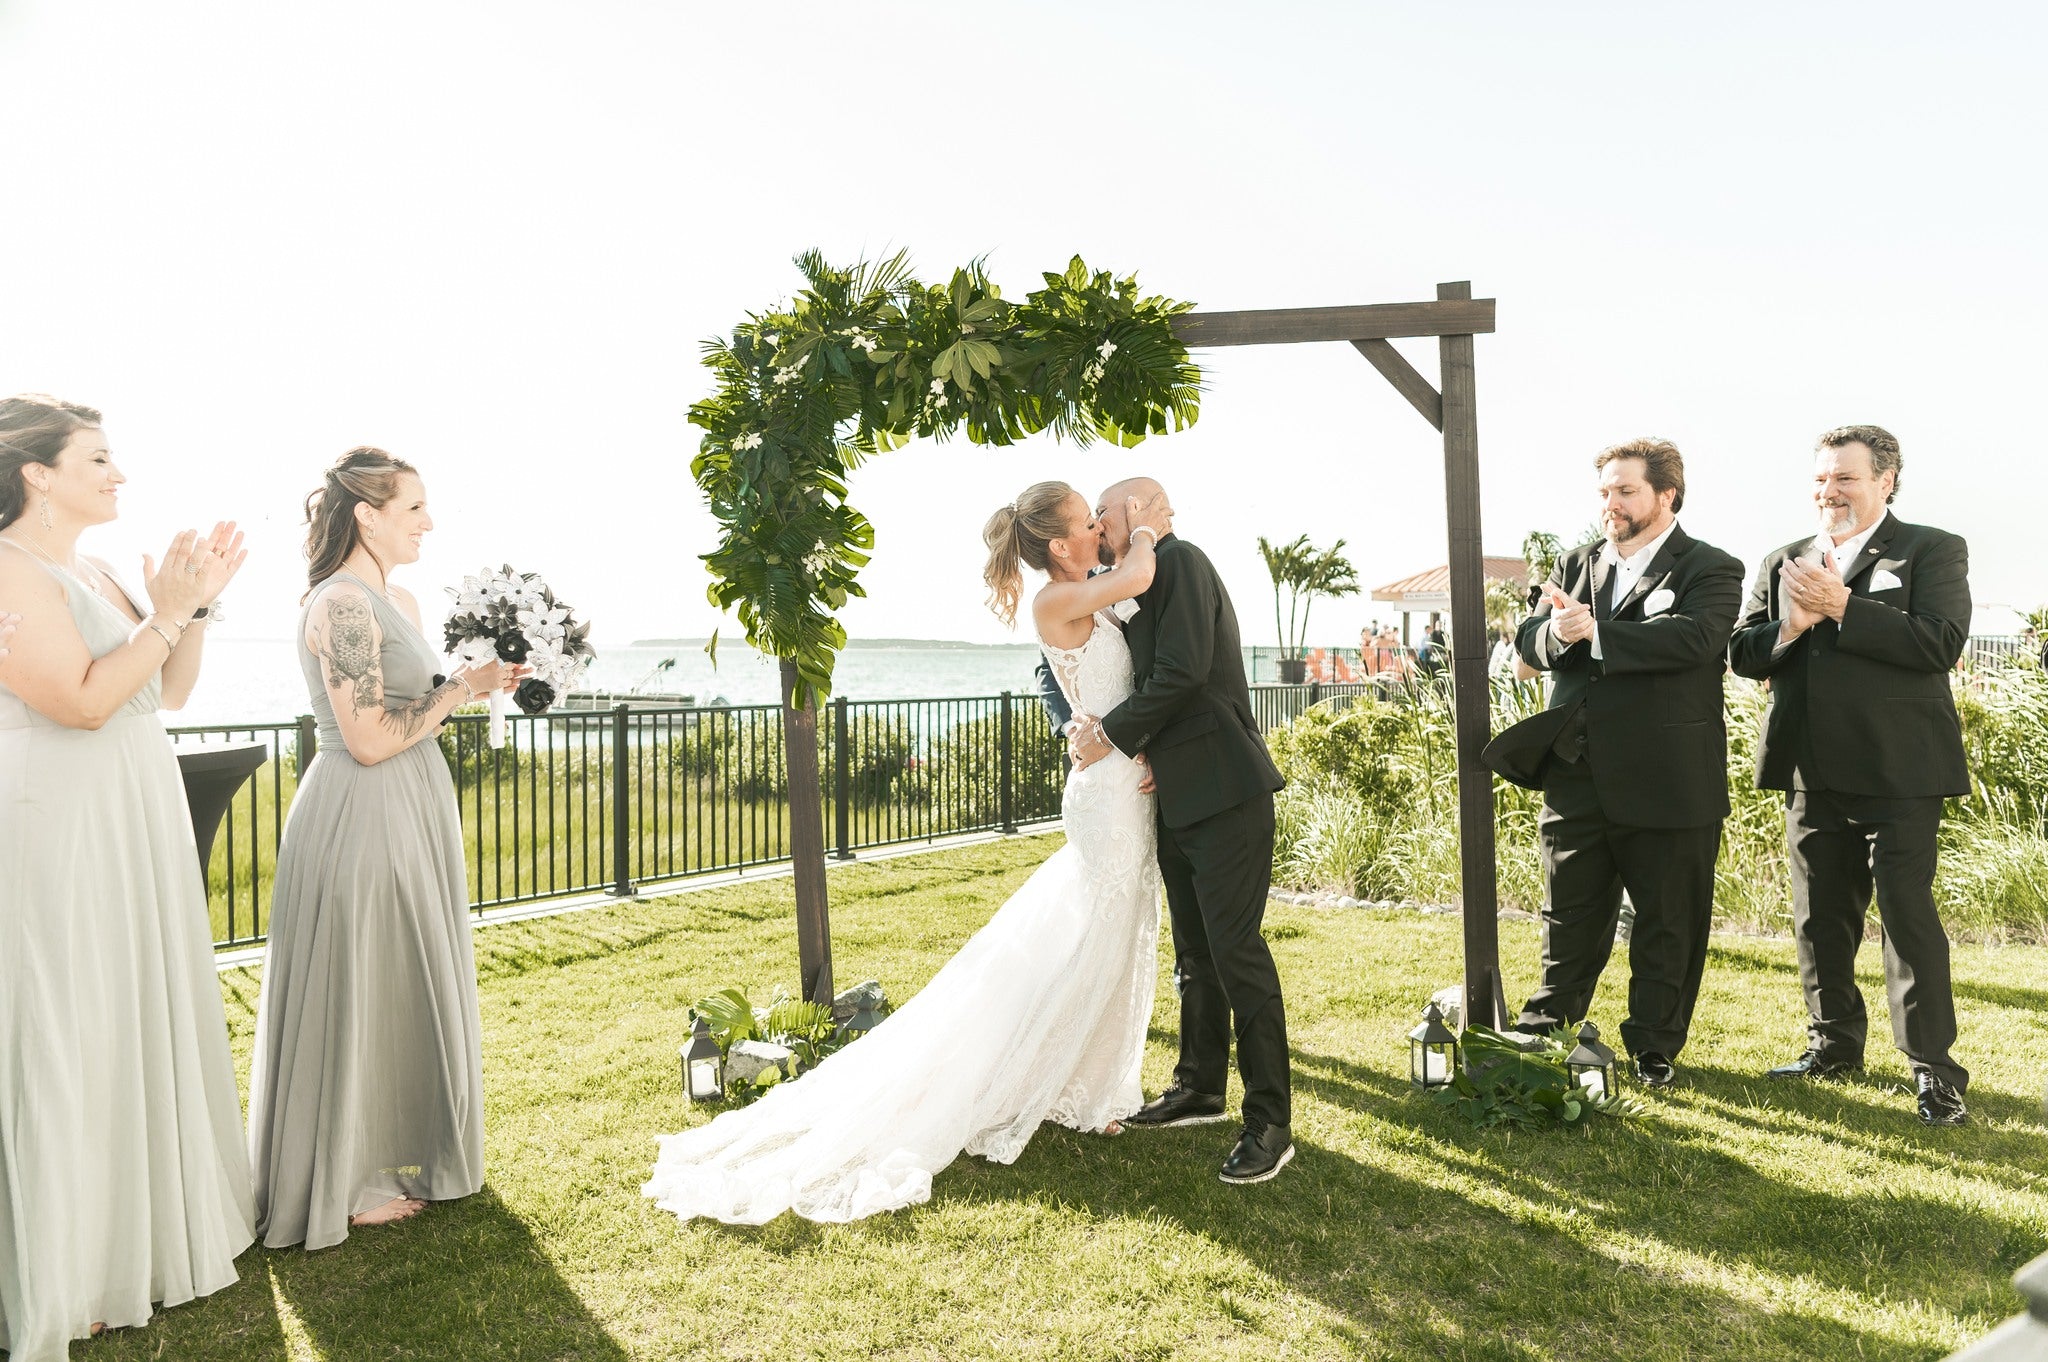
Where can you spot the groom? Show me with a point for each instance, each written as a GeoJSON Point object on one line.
{"type": "Point", "coordinates": [1190, 717]}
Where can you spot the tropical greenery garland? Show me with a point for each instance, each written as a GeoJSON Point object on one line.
{"type": "Point", "coordinates": [863, 360]}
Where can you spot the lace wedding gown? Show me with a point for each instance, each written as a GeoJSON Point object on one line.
{"type": "Point", "coordinates": [1041, 1017]}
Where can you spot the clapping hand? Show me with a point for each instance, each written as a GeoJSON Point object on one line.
{"type": "Point", "coordinates": [194, 572]}
{"type": "Point", "coordinates": [1813, 591]}
{"type": "Point", "coordinates": [1571, 620]}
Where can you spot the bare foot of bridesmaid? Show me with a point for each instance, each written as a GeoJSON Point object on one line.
{"type": "Point", "coordinates": [390, 1213]}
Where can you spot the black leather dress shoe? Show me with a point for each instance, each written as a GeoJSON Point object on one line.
{"type": "Point", "coordinates": [1654, 1070]}
{"type": "Point", "coordinates": [1814, 1064]}
{"type": "Point", "coordinates": [1178, 1107]}
{"type": "Point", "coordinates": [1940, 1103]}
{"type": "Point", "coordinates": [1262, 1151]}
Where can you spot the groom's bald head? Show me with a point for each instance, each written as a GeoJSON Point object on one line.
{"type": "Point", "coordinates": [1113, 500]}
{"type": "Point", "coordinates": [1113, 512]}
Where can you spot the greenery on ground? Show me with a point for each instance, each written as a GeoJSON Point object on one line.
{"type": "Point", "coordinates": [1371, 807]}
{"type": "Point", "coordinates": [1734, 1218]}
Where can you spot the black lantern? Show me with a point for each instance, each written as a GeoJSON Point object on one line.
{"type": "Point", "coordinates": [703, 1065]}
{"type": "Point", "coordinates": [1592, 1065]}
{"type": "Point", "coordinates": [1432, 1051]}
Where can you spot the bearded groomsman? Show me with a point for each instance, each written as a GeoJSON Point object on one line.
{"type": "Point", "coordinates": [1631, 755]}
{"type": "Point", "coordinates": [1856, 629]}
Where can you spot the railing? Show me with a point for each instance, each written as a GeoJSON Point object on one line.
{"type": "Point", "coordinates": [583, 801]}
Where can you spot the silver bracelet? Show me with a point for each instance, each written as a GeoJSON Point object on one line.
{"type": "Point", "coordinates": [168, 643]}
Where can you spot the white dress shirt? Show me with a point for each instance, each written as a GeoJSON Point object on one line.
{"type": "Point", "coordinates": [1627, 571]}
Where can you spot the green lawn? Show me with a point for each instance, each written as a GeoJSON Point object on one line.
{"type": "Point", "coordinates": [1738, 1219]}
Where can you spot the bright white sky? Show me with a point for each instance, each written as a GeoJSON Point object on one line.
{"type": "Point", "coordinates": [490, 238]}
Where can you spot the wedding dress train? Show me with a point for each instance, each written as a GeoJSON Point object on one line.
{"type": "Point", "coordinates": [1042, 1016]}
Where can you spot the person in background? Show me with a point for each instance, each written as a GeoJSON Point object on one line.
{"type": "Point", "coordinates": [366, 1089]}
{"type": "Point", "coordinates": [1856, 629]}
{"type": "Point", "coordinates": [123, 1180]}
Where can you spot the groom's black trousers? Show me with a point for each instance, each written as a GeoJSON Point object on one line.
{"type": "Point", "coordinates": [1217, 872]}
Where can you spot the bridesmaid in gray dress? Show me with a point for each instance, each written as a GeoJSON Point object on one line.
{"type": "Point", "coordinates": [366, 1091]}
{"type": "Point", "coordinates": [123, 1178]}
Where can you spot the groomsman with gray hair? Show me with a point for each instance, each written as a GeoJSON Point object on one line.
{"type": "Point", "coordinates": [1856, 629]}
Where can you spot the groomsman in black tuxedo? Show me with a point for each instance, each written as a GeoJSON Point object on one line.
{"type": "Point", "coordinates": [1856, 629]}
{"type": "Point", "coordinates": [1631, 755]}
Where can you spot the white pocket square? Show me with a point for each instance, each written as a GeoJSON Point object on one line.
{"type": "Point", "coordinates": [1658, 601]}
{"type": "Point", "coordinates": [1124, 609]}
{"type": "Point", "coordinates": [1882, 580]}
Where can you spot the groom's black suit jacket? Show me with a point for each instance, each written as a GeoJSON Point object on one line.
{"type": "Point", "coordinates": [1655, 740]}
{"type": "Point", "coordinates": [1191, 711]}
{"type": "Point", "coordinates": [1864, 707]}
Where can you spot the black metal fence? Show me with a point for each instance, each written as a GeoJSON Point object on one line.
{"type": "Point", "coordinates": [608, 800]}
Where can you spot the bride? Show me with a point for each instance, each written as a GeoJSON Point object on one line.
{"type": "Point", "coordinates": [1043, 1013]}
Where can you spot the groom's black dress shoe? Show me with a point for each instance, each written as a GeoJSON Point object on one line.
{"type": "Point", "coordinates": [1940, 1103]}
{"type": "Point", "coordinates": [1178, 1107]}
{"type": "Point", "coordinates": [1654, 1070]}
{"type": "Point", "coordinates": [1814, 1064]}
{"type": "Point", "coordinates": [1262, 1151]}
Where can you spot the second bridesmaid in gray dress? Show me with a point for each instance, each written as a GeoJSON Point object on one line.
{"type": "Point", "coordinates": [366, 1090]}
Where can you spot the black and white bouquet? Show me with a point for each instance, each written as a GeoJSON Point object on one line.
{"type": "Point", "coordinates": [513, 617]}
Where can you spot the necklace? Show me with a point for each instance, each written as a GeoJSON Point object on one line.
{"type": "Point", "coordinates": [90, 584]}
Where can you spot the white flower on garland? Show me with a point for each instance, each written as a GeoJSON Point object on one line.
{"type": "Point", "coordinates": [862, 340]}
{"type": "Point", "coordinates": [1106, 349]}
{"type": "Point", "coordinates": [749, 441]}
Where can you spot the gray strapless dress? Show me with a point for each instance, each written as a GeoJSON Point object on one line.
{"type": "Point", "coordinates": [367, 1082]}
{"type": "Point", "coordinates": [123, 1179]}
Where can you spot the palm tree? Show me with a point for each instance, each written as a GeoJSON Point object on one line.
{"type": "Point", "coordinates": [1301, 572]}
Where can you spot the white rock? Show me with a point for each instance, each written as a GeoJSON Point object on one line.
{"type": "Point", "coordinates": [746, 1060]}
{"type": "Point", "coordinates": [1348, 902]}
{"type": "Point", "coordinates": [1450, 1001]}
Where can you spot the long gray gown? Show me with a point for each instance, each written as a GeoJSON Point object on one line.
{"type": "Point", "coordinates": [367, 1082]}
{"type": "Point", "coordinates": [123, 1179]}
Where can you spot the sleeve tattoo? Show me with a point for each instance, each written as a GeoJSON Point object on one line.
{"type": "Point", "coordinates": [349, 647]}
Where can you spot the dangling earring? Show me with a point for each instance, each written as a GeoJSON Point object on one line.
{"type": "Point", "coordinates": [48, 524]}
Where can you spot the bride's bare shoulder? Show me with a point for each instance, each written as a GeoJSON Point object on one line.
{"type": "Point", "coordinates": [1052, 611]}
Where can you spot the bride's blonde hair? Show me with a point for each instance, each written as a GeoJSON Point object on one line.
{"type": "Point", "coordinates": [1019, 533]}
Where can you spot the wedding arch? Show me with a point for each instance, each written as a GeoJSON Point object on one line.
{"type": "Point", "coordinates": [866, 358]}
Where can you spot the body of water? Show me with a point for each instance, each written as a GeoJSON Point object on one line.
{"type": "Point", "coordinates": [258, 680]}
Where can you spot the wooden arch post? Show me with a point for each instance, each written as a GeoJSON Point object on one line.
{"type": "Point", "coordinates": [1454, 319]}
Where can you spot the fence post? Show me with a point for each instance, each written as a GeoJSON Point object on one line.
{"type": "Point", "coordinates": [1006, 777]}
{"type": "Point", "coordinates": [622, 823]}
{"type": "Point", "coordinates": [842, 783]}
{"type": "Point", "coordinates": [309, 745]}
{"type": "Point", "coordinates": [1315, 693]}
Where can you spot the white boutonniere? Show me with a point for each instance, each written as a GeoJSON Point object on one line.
{"type": "Point", "coordinates": [1658, 601]}
{"type": "Point", "coordinates": [1883, 580]}
{"type": "Point", "coordinates": [1124, 609]}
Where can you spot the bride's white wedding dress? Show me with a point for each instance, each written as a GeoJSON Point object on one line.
{"type": "Point", "coordinates": [1041, 1017]}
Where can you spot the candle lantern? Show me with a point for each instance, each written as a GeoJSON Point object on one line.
{"type": "Point", "coordinates": [703, 1065]}
{"type": "Point", "coordinates": [1591, 1065]}
{"type": "Point", "coordinates": [1432, 1051]}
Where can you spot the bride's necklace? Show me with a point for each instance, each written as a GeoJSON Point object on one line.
{"type": "Point", "coordinates": [91, 583]}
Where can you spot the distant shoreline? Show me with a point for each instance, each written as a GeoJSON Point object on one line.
{"type": "Point", "coordinates": [851, 644]}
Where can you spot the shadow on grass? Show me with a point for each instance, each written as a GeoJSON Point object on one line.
{"type": "Point", "coordinates": [465, 1280]}
{"type": "Point", "coordinates": [1650, 1180]}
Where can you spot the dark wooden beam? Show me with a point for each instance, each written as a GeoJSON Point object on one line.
{"type": "Point", "coordinates": [1395, 368]}
{"type": "Point", "coordinates": [1479, 890]}
{"type": "Point", "coordinates": [1372, 321]}
{"type": "Point", "coordinates": [807, 841]}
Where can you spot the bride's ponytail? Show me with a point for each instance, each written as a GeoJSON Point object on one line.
{"type": "Point", "coordinates": [1016, 535]}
